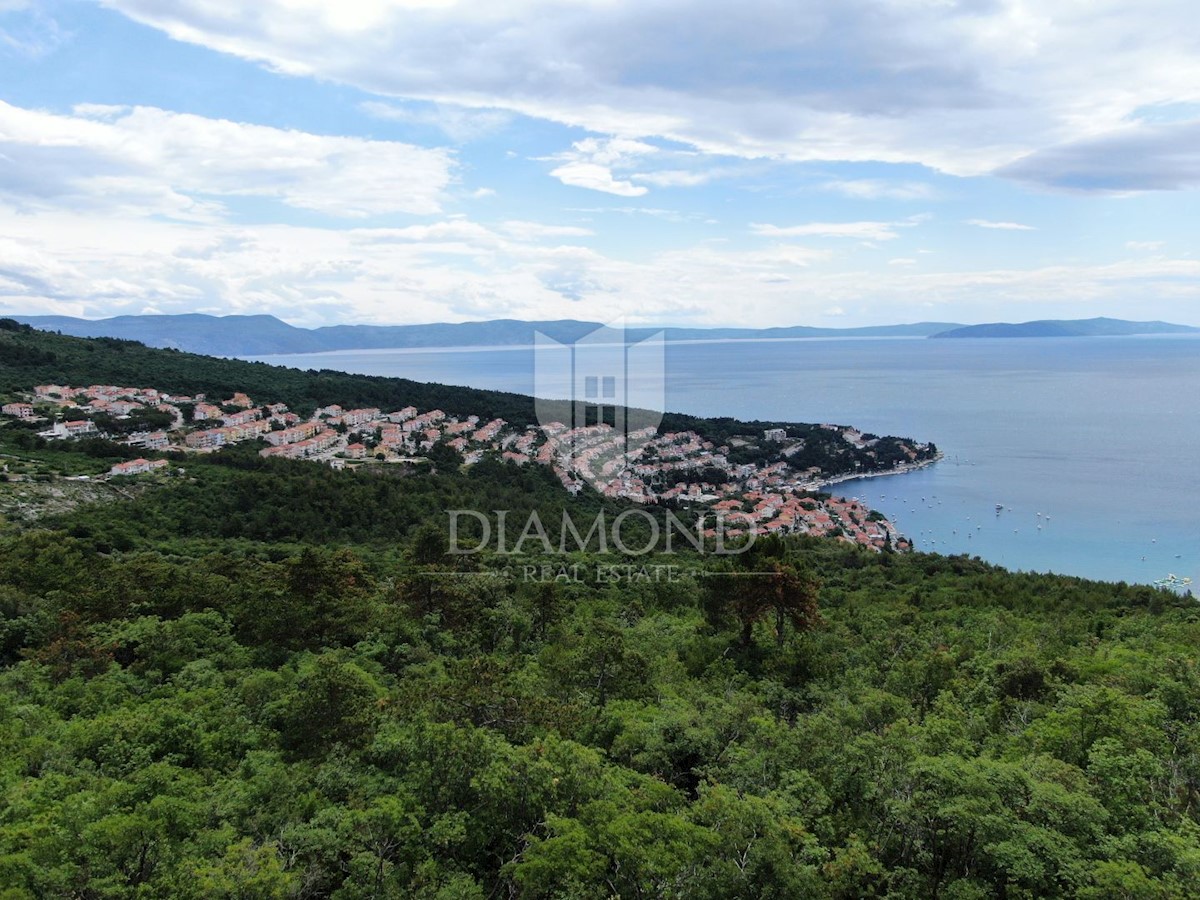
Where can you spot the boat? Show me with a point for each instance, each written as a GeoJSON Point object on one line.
{"type": "Point", "coordinates": [1173, 582]}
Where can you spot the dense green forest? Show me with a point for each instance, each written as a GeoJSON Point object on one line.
{"type": "Point", "coordinates": [266, 679]}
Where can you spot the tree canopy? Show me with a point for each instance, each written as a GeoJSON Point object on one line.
{"type": "Point", "coordinates": [267, 679]}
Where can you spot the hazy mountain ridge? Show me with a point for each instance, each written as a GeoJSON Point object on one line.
{"type": "Point", "coordinates": [1098, 327]}
{"type": "Point", "coordinates": [264, 334]}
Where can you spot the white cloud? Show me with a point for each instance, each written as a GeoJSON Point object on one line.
{"type": "Point", "coordinates": [611, 152]}
{"type": "Point", "coordinates": [456, 269]}
{"type": "Point", "coordinates": [671, 178]}
{"type": "Point", "coordinates": [590, 164]}
{"type": "Point", "coordinates": [964, 88]}
{"type": "Point", "coordinates": [866, 231]}
{"type": "Point", "coordinates": [437, 235]}
{"type": "Point", "coordinates": [595, 162]}
{"type": "Point", "coordinates": [1145, 246]}
{"type": "Point", "coordinates": [149, 160]}
{"type": "Point", "coordinates": [28, 270]}
{"type": "Point", "coordinates": [596, 178]}
{"type": "Point", "coordinates": [1000, 226]}
{"type": "Point", "coordinates": [667, 215]}
{"type": "Point", "coordinates": [532, 231]}
{"type": "Point", "coordinates": [902, 261]}
{"type": "Point", "coordinates": [668, 178]}
{"type": "Point", "coordinates": [458, 123]}
{"type": "Point", "coordinates": [876, 189]}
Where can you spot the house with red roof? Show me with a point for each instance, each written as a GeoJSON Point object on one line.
{"type": "Point", "coordinates": [20, 410]}
{"type": "Point", "coordinates": [138, 467]}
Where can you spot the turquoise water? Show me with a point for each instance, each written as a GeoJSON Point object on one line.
{"type": "Point", "coordinates": [1101, 436]}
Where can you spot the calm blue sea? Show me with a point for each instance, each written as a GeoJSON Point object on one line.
{"type": "Point", "coordinates": [1101, 436]}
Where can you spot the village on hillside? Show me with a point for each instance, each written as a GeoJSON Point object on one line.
{"type": "Point", "coordinates": [673, 468]}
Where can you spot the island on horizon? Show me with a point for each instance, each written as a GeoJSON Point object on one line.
{"type": "Point", "coordinates": [266, 335]}
{"type": "Point", "coordinates": [1098, 327]}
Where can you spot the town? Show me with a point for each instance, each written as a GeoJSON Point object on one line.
{"type": "Point", "coordinates": [672, 468]}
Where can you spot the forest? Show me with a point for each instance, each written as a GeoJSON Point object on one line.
{"type": "Point", "coordinates": [266, 679]}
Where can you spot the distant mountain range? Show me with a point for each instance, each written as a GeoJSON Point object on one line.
{"type": "Point", "coordinates": [1066, 328]}
{"type": "Point", "coordinates": [266, 335]}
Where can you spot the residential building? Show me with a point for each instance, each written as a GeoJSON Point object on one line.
{"type": "Point", "coordinates": [318, 443]}
{"type": "Point", "coordinates": [151, 440]}
{"type": "Point", "coordinates": [359, 416]}
{"type": "Point", "coordinates": [138, 467]}
{"type": "Point", "coordinates": [489, 431]}
{"type": "Point", "coordinates": [207, 440]}
{"type": "Point", "coordinates": [295, 434]}
{"type": "Point", "coordinates": [52, 392]}
{"type": "Point", "coordinates": [241, 418]}
{"type": "Point", "coordinates": [20, 410]}
{"type": "Point", "coordinates": [76, 428]}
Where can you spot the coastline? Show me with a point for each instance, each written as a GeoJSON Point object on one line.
{"type": "Point", "coordinates": [899, 470]}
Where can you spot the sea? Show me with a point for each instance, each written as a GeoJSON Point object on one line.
{"type": "Point", "coordinates": [1079, 456]}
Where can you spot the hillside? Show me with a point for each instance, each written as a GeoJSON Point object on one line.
{"type": "Point", "coordinates": [265, 335]}
{"type": "Point", "coordinates": [1099, 327]}
{"type": "Point", "coordinates": [262, 678]}
{"type": "Point", "coordinates": [29, 357]}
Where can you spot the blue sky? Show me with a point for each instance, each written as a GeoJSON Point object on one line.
{"type": "Point", "coordinates": [701, 162]}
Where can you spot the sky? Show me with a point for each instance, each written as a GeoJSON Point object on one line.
{"type": "Point", "coordinates": [706, 163]}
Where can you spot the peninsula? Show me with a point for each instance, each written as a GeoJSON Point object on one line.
{"type": "Point", "coordinates": [763, 477]}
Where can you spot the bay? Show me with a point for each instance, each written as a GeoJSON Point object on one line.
{"type": "Point", "coordinates": [1090, 445]}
